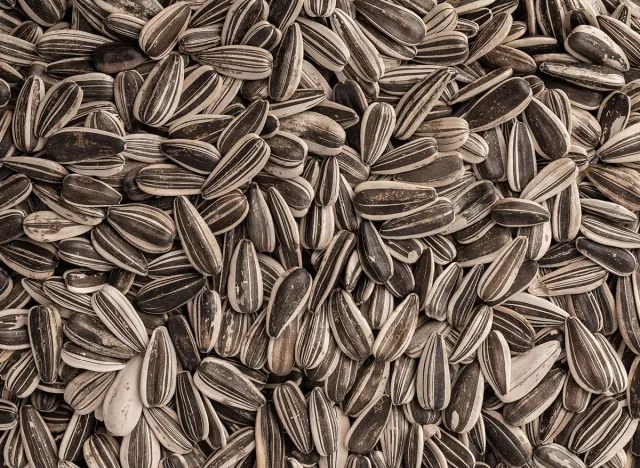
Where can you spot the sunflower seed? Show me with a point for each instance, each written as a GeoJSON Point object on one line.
{"type": "Point", "coordinates": [242, 62]}
{"type": "Point", "coordinates": [158, 97]}
{"type": "Point", "coordinates": [433, 385]}
{"type": "Point", "coordinates": [223, 382]}
{"type": "Point", "coordinates": [164, 423]}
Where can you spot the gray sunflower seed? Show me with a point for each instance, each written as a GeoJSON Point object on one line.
{"type": "Point", "coordinates": [550, 454]}
{"type": "Point", "coordinates": [412, 155]}
{"type": "Point", "coordinates": [87, 390]}
{"type": "Point", "coordinates": [45, 335]}
{"type": "Point", "coordinates": [74, 144]}
{"type": "Point", "coordinates": [551, 180]}
{"type": "Point", "coordinates": [81, 190]}
{"type": "Point", "coordinates": [315, 345]}
{"type": "Point", "coordinates": [617, 437]}
{"type": "Point", "coordinates": [396, 21]}
{"type": "Point", "coordinates": [433, 385]}
{"type": "Point", "coordinates": [528, 369]}
{"type": "Point", "coordinates": [432, 219]}
{"type": "Point", "coordinates": [388, 200]}
{"type": "Point", "coordinates": [29, 258]}
{"type": "Point", "coordinates": [332, 263]}
{"type": "Point", "coordinates": [158, 97]}
{"type": "Point", "coordinates": [17, 51]}
{"type": "Point", "coordinates": [502, 272]}
{"type": "Point", "coordinates": [287, 65]}
{"type": "Point", "coordinates": [323, 422]}
{"type": "Point", "coordinates": [607, 210]}
{"type": "Point", "coordinates": [205, 313]}
{"type": "Point", "coordinates": [589, 76]}
{"type": "Point", "coordinates": [506, 100]}
{"type": "Point", "coordinates": [447, 48]}
{"type": "Point", "coordinates": [472, 204]}
{"type": "Point", "coordinates": [80, 428]}
{"type": "Point", "coordinates": [395, 335]}
{"type": "Point", "coordinates": [243, 62]}
{"type": "Point", "coordinates": [364, 57]}
{"type": "Point", "coordinates": [15, 333]}
{"type": "Point", "coordinates": [323, 45]}
{"type": "Point", "coordinates": [225, 213]}
{"type": "Point", "coordinates": [349, 327]}
{"type": "Point", "coordinates": [537, 401]}
{"type": "Point", "coordinates": [195, 234]}
{"type": "Point", "coordinates": [25, 114]}
{"type": "Point", "coordinates": [11, 225]}
{"type": "Point", "coordinates": [145, 227]}
{"type": "Point", "coordinates": [495, 362]}
{"type": "Point", "coordinates": [605, 233]}
{"type": "Point", "coordinates": [616, 184]}
{"type": "Point", "coordinates": [192, 412]}
{"type": "Point", "coordinates": [580, 276]}
{"type": "Point", "coordinates": [164, 423]}
{"type": "Point", "coordinates": [536, 310]}
{"type": "Point", "coordinates": [618, 261]}
{"type": "Point", "coordinates": [88, 332]}
{"type": "Point", "coordinates": [250, 120]}
{"type": "Point", "coordinates": [79, 251]}
{"type": "Point", "coordinates": [367, 428]}
{"type": "Point", "coordinates": [125, 89]}
{"type": "Point", "coordinates": [493, 33]}
{"type": "Point", "coordinates": [48, 226]}
{"type": "Point", "coordinates": [222, 382]}
{"type": "Point", "coordinates": [116, 250]}
{"type": "Point", "coordinates": [376, 128]}
{"type": "Point", "coordinates": [58, 107]}
{"type": "Point", "coordinates": [514, 212]}
{"type": "Point", "coordinates": [240, 164]}
{"type": "Point", "coordinates": [292, 413]}
{"type": "Point", "coordinates": [463, 410]}
{"type": "Point", "coordinates": [239, 446]}
{"type": "Point", "coordinates": [453, 452]}
{"type": "Point", "coordinates": [144, 147]}
{"type": "Point", "coordinates": [172, 263]}
{"type": "Point", "coordinates": [160, 34]}
{"type": "Point", "coordinates": [591, 429]}
{"type": "Point", "coordinates": [472, 335]}
{"type": "Point", "coordinates": [508, 441]}
{"type": "Point", "coordinates": [288, 299]}
{"type": "Point", "coordinates": [418, 102]}
{"type": "Point", "coordinates": [168, 180]}
{"type": "Point", "coordinates": [374, 256]}
{"type": "Point", "coordinates": [550, 136]}
{"type": "Point", "coordinates": [67, 43]}
{"type": "Point", "coordinates": [39, 445]}
{"type": "Point", "coordinates": [583, 351]}
{"type": "Point", "coordinates": [164, 294]}
{"type": "Point", "coordinates": [22, 377]}
{"type": "Point", "coordinates": [323, 135]}
{"type": "Point", "coordinates": [197, 156]}
{"type": "Point", "coordinates": [159, 369]}
{"type": "Point", "coordinates": [245, 291]}
{"type": "Point", "coordinates": [462, 300]}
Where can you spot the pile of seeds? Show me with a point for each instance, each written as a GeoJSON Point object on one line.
{"type": "Point", "coordinates": [332, 233]}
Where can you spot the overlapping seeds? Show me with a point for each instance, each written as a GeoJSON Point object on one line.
{"type": "Point", "coordinates": [319, 233]}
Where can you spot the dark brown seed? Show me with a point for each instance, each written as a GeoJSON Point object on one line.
{"type": "Point", "coordinates": [75, 144]}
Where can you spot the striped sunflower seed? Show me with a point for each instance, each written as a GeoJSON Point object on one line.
{"type": "Point", "coordinates": [223, 382]}
{"type": "Point", "coordinates": [200, 245]}
{"type": "Point", "coordinates": [158, 97]}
